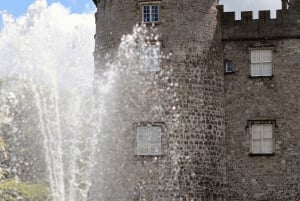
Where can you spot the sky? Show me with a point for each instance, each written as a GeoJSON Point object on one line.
{"type": "Point", "coordinates": [46, 42]}
{"type": "Point", "coordinates": [19, 7]}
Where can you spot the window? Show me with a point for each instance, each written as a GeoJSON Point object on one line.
{"type": "Point", "coordinates": [149, 140]}
{"type": "Point", "coordinates": [150, 13]}
{"type": "Point", "coordinates": [228, 66]}
{"type": "Point", "coordinates": [262, 140]}
{"type": "Point", "coordinates": [261, 63]}
{"type": "Point", "coordinates": [150, 58]}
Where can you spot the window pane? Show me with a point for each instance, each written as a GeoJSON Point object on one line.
{"type": "Point", "coordinates": [256, 146]}
{"type": "Point", "coordinates": [267, 146]}
{"type": "Point", "coordinates": [256, 56]}
{"type": "Point", "coordinates": [142, 149]}
{"type": "Point", "coordinates": [142, 134]}
{"type": "Point", "coordinates": [150, 58]}
{"type": "Point", "coordinates": [149, 140]}
{"type": "Point", "coordinates": [154, 18]}
{"type": "Point", "coordinates": [262, 138]}
{"type": "Point", "coordinates": [155, 134]}
{"type": "Point", "coordinates": [154, 13]}
{"type": "Point", "coordinates": [229, 66]}
{"type": "Point", "coordinates": [267, 130]}
{"type": "Point", "coordinates": [157, 50]}
{"type": "Point", "coordinates": [150, 13]}
{"type": "Point", "coordinates": [267, 69]}
{"type": "Point", "coordinates": [155, 140]}
{"type": "Point", "coordinates": [146, 13]}
{"type": "Point", "coordinates": [256, 131]}
{"type": "Point", "coordinates": [267, 55]}
{"type": "Point", "coordinates": [156, 149]}
{"type": "Point", "coordinates": [154, 9]}
{"type": "Point", "coordinates": [144, 58]}
{"type": "Point", "coordinates": [256, 69]}
{"type": "Point", "coordinates": [142, 140]}
{"type": "Point", "coordinates": [156, 58]}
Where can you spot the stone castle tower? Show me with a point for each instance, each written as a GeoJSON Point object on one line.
{"type": "Point", "coordinates": [171, 142]}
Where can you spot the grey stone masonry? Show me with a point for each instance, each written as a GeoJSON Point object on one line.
{"type": "Point", "coordinates": [190, 92]}
{"type": "Point", "coordinates": [294, 4]}
{"type": "Point", "coordinates": [273, 176]}
{"type": "Point", "coordinates": [205, 114]}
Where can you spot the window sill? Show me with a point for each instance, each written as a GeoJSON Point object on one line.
{"type": "Point", "coordinates": [261, 77]}
{"type": "Point", "coordinates": [148, 24]}
{"type": "Point", "coordinates": [155, 159]}
{"type": "Point", "coordinates": [261, 154]}
{"type": "Point", "coordinates": [229, 73]}
{"type": "Point", "coordinates": [148, 155]}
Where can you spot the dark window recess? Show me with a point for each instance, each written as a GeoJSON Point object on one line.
{"type": "Point", "coordinates": [229, 68]}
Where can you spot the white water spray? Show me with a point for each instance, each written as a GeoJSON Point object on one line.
{"type": "Point", "coordinates": [47, 63]}
{"type": "Point", "coordinates": [46, 57]}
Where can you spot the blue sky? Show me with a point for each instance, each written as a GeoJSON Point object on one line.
{"type": "Point", "coordinates": [19, 7]}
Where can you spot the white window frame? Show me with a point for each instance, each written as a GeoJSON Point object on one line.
{"type": "Point", "coordinates": [149, 140]}
{"type": "Point", "coordinates": [262, 132]}
{"type": "Point", "coordinates": [261, 62]}
{"type": "Point", "coordinates": [150, 5]}
{"type": "Point", "coordinates": [150, 58]}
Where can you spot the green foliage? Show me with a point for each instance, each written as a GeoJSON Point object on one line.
{"type": "Point", "coordinates": [10, 190]}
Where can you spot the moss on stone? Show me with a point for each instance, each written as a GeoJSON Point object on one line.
{"type": "Point", "coordinates": [10, 190]}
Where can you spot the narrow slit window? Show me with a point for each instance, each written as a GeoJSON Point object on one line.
{"type": "Point", "coordinates": [229, 66]}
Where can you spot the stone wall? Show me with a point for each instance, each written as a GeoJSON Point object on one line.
{"type": "Point", "coordinates": [274, 177]}
{"type": "Point", "coordinates": [263, 177]}
{"type": "Point", "coordinates": [190, 92]}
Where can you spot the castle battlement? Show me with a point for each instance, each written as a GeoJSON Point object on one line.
{"type": "Point", "coordinates": [285, 25]}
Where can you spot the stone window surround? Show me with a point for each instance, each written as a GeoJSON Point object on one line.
{"type": "Point", "coordinates": [261, 121]}
{"type": "Point", "coordinates": [147, 2]}
{"type": "Point", "coordinates": [155, 124]}
{"type": "Point", "coordinates": [261, 47]}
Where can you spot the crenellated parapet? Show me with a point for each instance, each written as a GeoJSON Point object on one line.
{"type": "Point", "coordinates": [285, 25]}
